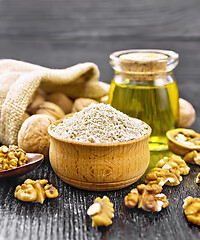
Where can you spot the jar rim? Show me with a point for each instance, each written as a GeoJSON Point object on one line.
{"type": "Point", "coordinates": [150, 64]}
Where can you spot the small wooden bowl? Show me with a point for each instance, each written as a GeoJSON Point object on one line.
{"type": "Point", "coordinates": [99, 166]}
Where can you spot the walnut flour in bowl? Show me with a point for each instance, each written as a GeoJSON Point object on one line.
{"type": "Point", "coordinates": [100, 123]}
{"type": "Point", "coordinates": [99, 148]}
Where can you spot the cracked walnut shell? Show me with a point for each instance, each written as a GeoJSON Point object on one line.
{"type": "Point", "coordinates": [174, 162]}
{"type": "Point", "coordinates": [181, 141]}
{"type": "Point", "coordinates": [170, 177]}
{"type": "Point", "coordinates": [192, 209]}
{"type": "Point", "coordinates": [33, 135]}
{"type": "Point", "coordinates": [101, 212]}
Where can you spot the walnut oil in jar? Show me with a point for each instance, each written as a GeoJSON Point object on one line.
{"type": "Point", "coordinates": [144, 87]}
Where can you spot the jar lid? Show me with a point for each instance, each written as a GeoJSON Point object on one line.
{"type": "Point", "coordinates": [142, 61]}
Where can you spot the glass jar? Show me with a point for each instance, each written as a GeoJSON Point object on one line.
{"type": "Point", "coordinates": [144, 87]}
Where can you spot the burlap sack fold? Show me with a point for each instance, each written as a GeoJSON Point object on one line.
{"type": "Point", "coordinates": [19, 81]}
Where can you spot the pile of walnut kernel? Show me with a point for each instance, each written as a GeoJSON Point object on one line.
{"type": "Point", "coordinates": [149, 196]}
{"type": "Point", "coordinates": [12, 157]}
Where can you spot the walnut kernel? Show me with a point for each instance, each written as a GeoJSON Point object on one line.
{"type": "Point", "coordinates": [50, 191]}
{"type": "Point", "coordinates": [174, 162]}
{"type": "Point", "coordinates": [192, 209]}
{"type": "Point", "coordinates": [198, 178]}
{"type": "Point", "coordinates": [192, 157]}
{"type": "Point", "coordinates": [170, 177]}
{"type": "Point", "coordinates": [35, 191]}
{"type": "Point", "coordinates": [12, 157]}
{"type": "Point", "coordinates": [26, 193]}
{"type": "Point", "coordinates": [101, 212]}
{"type": "Point", "coordinates": [151, 198]}
{"type": "Point", "coordinates": [147, 197]}
{"type": "Point", "coordinates": [131, 200]}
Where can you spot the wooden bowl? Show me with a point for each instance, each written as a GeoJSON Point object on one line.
{"type": "Point", "coordinates": [99, 166]}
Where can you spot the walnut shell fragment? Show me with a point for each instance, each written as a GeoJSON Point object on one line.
{"type": "Point", "coordinates": [181, 141]}
{"type": "Point", "coordinates": [101, 212]}
{"type": "Point", "coordinates": [192, 209]}
{"type": "Point", "coordinates": [147, 197]}
{"type": "Point", "coordinates": [35, 191]}
{"type": "Point", "coordinates": [174, 162]}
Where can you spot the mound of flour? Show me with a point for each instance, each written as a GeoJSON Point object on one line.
{"type": "Point", "coordinates": [100, 123]}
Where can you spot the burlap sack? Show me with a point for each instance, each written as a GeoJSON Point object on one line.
{"type": "Point", "coordinates": [19, 81]}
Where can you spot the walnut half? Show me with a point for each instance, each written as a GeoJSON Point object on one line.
{"type": "Point", "coordinates": [35, 191]}
{"type": "Point", "coordinates": [101, 212]}
{"type": "Point", "coordinates": [170, 177]}
{"type": "Point", "coordinates": [192, 157]}
{"type": "Point", "coordinates": [174, 162]}
{"type": "Point", "coordinates": [192, 209]}
{"type": "Point", "coordinates": [147, 197]}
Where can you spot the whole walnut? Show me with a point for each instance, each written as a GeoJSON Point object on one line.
{"type": "Point", "coordinates": [186, 114]}
{"type": "Point", "coordinates": [61, 100]}
{"type": "Point", "coordinates": [80, 103]}
{"type": "Point", "coordinates": [104, 99]}
{"type": "Point", "coordinates": [50, 109]}
{"type": "Point", "coordinates": [33, 136]}
{"type": "Point", "coordinates": [37, 99]}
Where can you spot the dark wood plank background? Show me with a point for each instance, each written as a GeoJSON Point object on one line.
{"type": "Point", "coordinates": [61, 33]}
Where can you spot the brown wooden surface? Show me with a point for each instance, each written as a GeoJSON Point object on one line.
{"type": "Point", "coordinates": [62, 33]}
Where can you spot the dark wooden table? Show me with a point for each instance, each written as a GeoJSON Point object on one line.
{"type": "Point", "coordinates": [61, 33]}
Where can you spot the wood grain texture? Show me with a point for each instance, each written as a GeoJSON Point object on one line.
{"type": "Point", "coordinates": [61, 33]}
